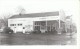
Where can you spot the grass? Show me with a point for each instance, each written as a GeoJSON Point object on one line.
{"type": "Point", "coordinates": [34, 39]}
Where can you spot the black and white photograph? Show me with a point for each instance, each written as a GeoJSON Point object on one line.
{"type": "Point", "coordinates": [38, 22]}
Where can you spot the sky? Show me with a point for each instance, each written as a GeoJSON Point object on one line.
{"type": "Point", "coordinates": [11, 7]}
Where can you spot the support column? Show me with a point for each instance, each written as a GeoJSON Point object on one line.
{"type": "Point", "coordinates": [65, 27]}
{"type": "Point", "coordinates": [46, 25]}
{"type": "Point", "coordinates": [59, 30]}
{"type": "Point", "coordinates": [59, 24]}
{"type": "Point", "coordinates": [33, 25]}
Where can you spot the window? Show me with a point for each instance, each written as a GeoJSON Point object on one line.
{"type": "Point", "coordinates": [37, 23]}
{"type": "Point", "coordinates": [23, 27]}
{"type": "Point", "coordinates": [19, 24]}
{"type": "Point", "coordinates": [11, 24]}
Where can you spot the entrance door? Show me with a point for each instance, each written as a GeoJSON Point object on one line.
{"type": "Point", "coordinates": [43, 26]}
{"type": "Point", "coordinates": [37, 28]}
{"type": "Point", "coordinates": [40, 26]}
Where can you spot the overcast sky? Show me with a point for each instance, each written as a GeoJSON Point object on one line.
{"type": "Point", "coordinates": [34, 6]}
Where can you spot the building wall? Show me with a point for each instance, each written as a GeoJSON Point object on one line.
{"type": "Point", "coordinates": [20, 24]}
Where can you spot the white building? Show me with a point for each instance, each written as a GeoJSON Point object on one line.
{"type": "Point", "coordinates": [37, 21]}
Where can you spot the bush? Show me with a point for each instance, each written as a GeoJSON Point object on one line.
{"type": "Point", "coordinates": [37, 31]}
{"type": "Point", "coordinates": [64, 31]}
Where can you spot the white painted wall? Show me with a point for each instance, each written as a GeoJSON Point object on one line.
{"type": "Point", "coordinates": [28, 22]}
{"type": "Point", "coordinates": [24, 21]}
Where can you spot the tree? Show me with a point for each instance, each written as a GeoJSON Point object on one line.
{"type": "Point", "coordinates": [21, 10]}
{"type": "Point", "coordinates": [4, 20]}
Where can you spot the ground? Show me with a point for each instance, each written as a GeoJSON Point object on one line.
{"type": "Point", "coordinates": [36, 39]}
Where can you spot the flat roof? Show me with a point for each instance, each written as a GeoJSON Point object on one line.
{"type": "Point", "coordinates": [44, 14]}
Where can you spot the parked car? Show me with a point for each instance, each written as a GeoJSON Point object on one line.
{"type": "Point", "coordinates": [7, 30]}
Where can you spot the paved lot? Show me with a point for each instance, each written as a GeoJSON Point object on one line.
{"type": "Point", "coordinates": [36, 39]}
